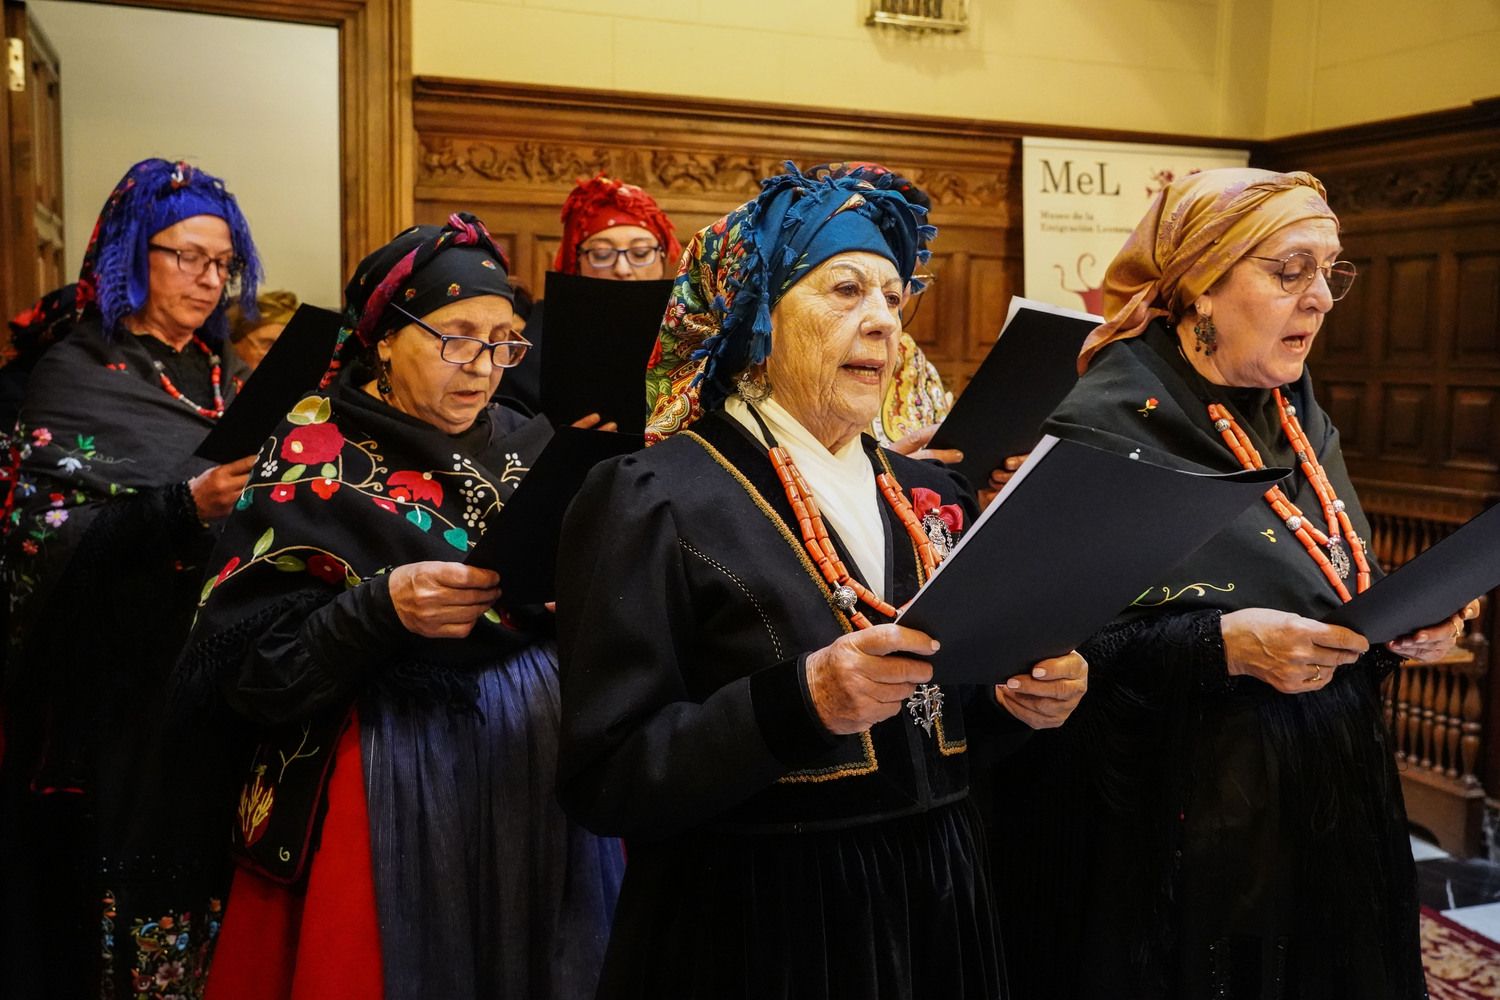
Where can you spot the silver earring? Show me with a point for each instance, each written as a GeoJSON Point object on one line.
{"type": "Point", "coordinates": [753, 388]}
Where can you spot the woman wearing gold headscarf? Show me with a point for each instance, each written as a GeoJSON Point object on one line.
{"type": "Point", "coordinates": [1255, 841]}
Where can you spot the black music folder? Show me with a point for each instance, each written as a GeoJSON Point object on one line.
{"type": "Point", "coordinates": [1073, 538]}
{"type": "Point", "coordinates": [1032, 366]}
{"type": "Point", "coordinates": [521, 541]}
{"type": "Point", "coordinates": [290, 370]}
{"type": "Point", "coordinates": [599, 337]}
{"type": "Point", "coordinates": [1432, 586]}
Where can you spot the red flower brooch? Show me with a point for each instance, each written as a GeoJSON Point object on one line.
{"type": "Point", "coordinates": [941, 521]}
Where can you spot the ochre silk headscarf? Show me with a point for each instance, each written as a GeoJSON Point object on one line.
{"type": "Point", "coordinates": [1195, 231]}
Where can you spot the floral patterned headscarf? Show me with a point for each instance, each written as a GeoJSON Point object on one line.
{"type": "Point", "coordinates": [599, 203]}
{"type": "Point", "coordinates": [1198, 228]}
{"type": "Point", "coordinates": [718, 320]}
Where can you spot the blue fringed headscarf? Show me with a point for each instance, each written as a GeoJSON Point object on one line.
{"type": "Point", "coordinates": [718, 321]}
{"type": "Point", "coordinates": [115, 279]}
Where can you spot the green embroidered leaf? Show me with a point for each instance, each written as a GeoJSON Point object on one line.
{"type": "Point", "coordinates": [420, 518]}
{"type": "Point", "coordinates": [246, 498]}
{"type": "Point", "coordinates": [329, 471]}
{"type": "Point", "coordinates": [289, 564]}
{"type": "Point", "coordinates": [312, 410]}
{"type": "Point", "coordinates": [85, 443]}
{"type": "Point", "coordinates": [458, 538]}
{"type": "Point", "coordinates": [351, 579]}
{"type": "Point", "coordinates": [208, 588]}
{"type": "Point", "coordinates": [295, 472]}
{"type": "Point", "coordinates": [263, 543]}
{"type": "Point", "coordinates": [492, 615]}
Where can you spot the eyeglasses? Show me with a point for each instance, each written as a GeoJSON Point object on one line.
{"type": "Point", "coordinates": [914, 299]}
{"type": "Point", "coordinates": [1298, 271]}
{"type": "Point", "coordinates": [197, 263]}
{"type": "Point", "coordinates": [602, 257]}
{"type": "Point", "coordinates": [466, 350]}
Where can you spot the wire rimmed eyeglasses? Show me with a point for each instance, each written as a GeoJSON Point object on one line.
{"type": "Point", "coordinates": [602, 257]}
{"type": "Point", "coordinates": [1298, 271]}
{"type": "Point", "coordinates": [197, 263]}
{"type": "Point", "coordinates": [466, 350]}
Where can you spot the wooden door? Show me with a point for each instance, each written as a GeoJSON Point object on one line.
{"type": "Point", "coordinates": [32, 177]}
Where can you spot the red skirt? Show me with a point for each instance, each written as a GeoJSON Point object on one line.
{"type": "Point", "coordinates": [317, 941]}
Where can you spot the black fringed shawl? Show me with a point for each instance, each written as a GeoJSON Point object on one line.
{"type": "Point", "coordinates": [347, 489]}
{"type": "Point", "coordinates": [1311, 836]}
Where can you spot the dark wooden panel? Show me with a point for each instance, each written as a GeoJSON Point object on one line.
{"type": "Point", "coordinates": [1409, 305]}
{"type": "Point", "coordinates": [1477, 334]}
{"type": "Point", "coordinates": [1475, 438]}
{"type": "Point", "coordinates": [1349, 331]}
{"type": "Point", "coordinates": [1344, 402]}
{"type": "Point", "coordinates": [1406, 422]}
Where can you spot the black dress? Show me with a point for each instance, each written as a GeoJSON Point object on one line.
{"type": "Point", "coordinates": [767, 858]}
{"type": "Point", "coordinates": [1231, 841]}
{"type": "Point", "coordinates": [110, 826]}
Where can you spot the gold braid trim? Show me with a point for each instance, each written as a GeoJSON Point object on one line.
{"type": "Point", "coordinates": [867, 766]}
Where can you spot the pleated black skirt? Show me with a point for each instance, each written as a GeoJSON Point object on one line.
{"type": "Point", "coordinates": [896, 910]}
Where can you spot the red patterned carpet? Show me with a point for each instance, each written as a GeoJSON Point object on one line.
{"type": "Point", "coordinates": [1461, 965]}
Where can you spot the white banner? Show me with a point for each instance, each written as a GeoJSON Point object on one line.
{"type": "Point", "coordinates": [1081, 199]}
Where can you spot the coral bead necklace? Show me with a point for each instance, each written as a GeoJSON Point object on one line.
{"type": "Point", "coordinates": [1335, 564]}
{"type": "Point", "coordinates": [215, 375]}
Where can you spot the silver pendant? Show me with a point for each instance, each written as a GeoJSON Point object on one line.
{"type": "Point", "coordinates": [845, 598]}
{"type": "Point", "coordinates": [1339, 558]}
{"type": "Point", "coordinates": [938, 534]}
{"type": "Point", "coordinates": [926, 706]}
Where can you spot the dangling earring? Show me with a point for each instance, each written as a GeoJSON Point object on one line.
{"type": "Point", "coordinates": [1206, 334]}
{"type": "Point", "coordinates": [383, 382]}
{"type": "Point", "coordinates": [753, 386]}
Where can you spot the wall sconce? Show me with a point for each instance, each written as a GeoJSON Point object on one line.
{"type": "Point", "coordinates": [949, 16]}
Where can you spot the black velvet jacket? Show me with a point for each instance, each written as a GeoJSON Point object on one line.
{"type": "Point", "coordinates": [687, 606]}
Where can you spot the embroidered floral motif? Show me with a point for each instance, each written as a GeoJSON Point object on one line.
{"type": "Point", "coordinates": [313, 443]}
{"type": "Point", "coordinates": [172, 952]}
{"type": "Point", "coordinates": [1151, 404]}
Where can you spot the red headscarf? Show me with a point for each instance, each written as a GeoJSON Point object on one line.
{"type": "Point", "coordinates": [598, 203]}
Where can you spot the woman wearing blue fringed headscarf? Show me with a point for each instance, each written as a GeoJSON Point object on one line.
{"type": "Point", "coordinates": [112, 856]}
{"type": "Point", "coordinates": [738, 702]}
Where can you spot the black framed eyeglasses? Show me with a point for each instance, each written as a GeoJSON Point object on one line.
{"type": "Point", "coordinates": [197, 263]}
{"type": "Point", "coordinates": [602, 257]}
{"type": "Point", "coordinates": [1298, 271]}
{"type": "Point", "coordinates": [466, 350]}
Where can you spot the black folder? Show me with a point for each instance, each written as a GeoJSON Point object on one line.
{"type": "Point", "coordinates": [1076, 536]}
{"type": "Point", "coordinates": [1432, 586]}
{"type": "Point", "coordinates": [520, 542]}
{"type": "Point", "coordinates": [290, 370]}
{"type": "Point", "coordinates": [1032, 366]}
{"type": "Point", "coordinates": [599, 338]}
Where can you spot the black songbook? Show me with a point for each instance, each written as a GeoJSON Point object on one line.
{"type": "Point", "coordinates": [1435, 584]}
{"type": "Point", "coordinates": [1076, 536]}
{"type": "Point", "coordinates": [1032, 366]}
{"type": "Point", "coordinates": [521, 541]}
{"type": "Point", "coordinates": [290, 370]}
{"type": "Point", "coordinates": [599, 338]}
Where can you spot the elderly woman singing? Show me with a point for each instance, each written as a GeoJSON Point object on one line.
{"type": "Point", "coordinates": [1256, 840]}
{"type": "Point", "coordinates": [737, 701]}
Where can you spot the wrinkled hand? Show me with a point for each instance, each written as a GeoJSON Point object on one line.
{"type": "Point", "coordinates": [999, 478]}
{"type": "Point", "coordinates": [1435, 641]}
{"type": "Point", "coordinates": [592, 422]}
{"type": "Point", "coordinates": [857, 680]}
{"type": "Point", "coordinates": [1293, 654]}
{"type": "Point", "coordinates": [442, 600]}
{"type": "Point", "coordinates": [215, 490]}
{"type": "Point", "coordinates": [1046, 698]}
{"type": "Point", "coordinates": [914, 445]}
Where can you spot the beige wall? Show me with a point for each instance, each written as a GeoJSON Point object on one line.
{"type": "Point", "coordinates": [254, 102]}
{"type": "Point", "coordinates": [1340, 62]}
{"type": "Point", "coordinates": [1153, 65]}
{"type": "Point", "coordinates": [1223, 68]}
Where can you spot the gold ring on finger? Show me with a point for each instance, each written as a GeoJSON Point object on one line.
{"type": "Point", "coordinates": [1317, 674]}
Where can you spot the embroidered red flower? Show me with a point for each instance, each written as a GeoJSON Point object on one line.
{"type": "Point", "coordinates": [409, 486]}
{"type": "Point", "coordinates": [29, 547]}
{"type": "Point", "coordinates": [282, 492]}
{"type": "Point", "coordinates": [42, 436]}
{"type": "Point", "coordinates": [925, 501]}
{"type": "Point", "coordinates": [313, 443]}
{"type": "Point", "coordinates": [228, 567]}
{"type": "Point", "coordinates": [384, 504]}
{"type": "Point", "coordinates": [325, 488]}
{"type": "Point", "coordinates": [326, 568]}
{"type": "Point", "coordinates": [655, 358]}
{"type": "Point", "coordinates": [1151, 404]}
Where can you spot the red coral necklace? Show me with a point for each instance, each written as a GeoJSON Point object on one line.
{"type": "Point", "coordinates": [1334, 564]}
{"type": "Point", "coordinates": [215, 374]}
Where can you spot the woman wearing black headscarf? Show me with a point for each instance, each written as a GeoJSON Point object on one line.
{"type": "Point", "coordinates": [398, 830]}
